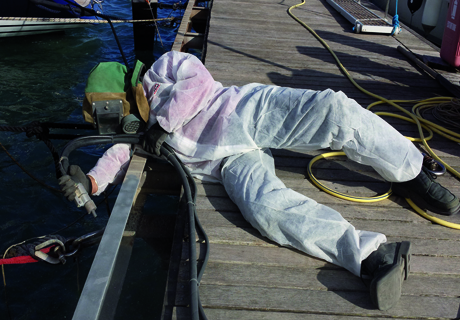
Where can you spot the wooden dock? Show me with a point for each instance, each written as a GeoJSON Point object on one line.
{"type": "Point", "coordinates": [249, 277]}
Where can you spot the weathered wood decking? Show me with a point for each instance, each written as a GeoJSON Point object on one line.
{"type": "Point", "coordinates": [249, 277]}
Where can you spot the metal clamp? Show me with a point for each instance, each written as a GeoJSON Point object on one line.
{"type": "Point", "coordinates": [433, 166]}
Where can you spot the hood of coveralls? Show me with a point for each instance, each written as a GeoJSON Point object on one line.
{"type": "Point", "coordinates": [178, 86]}
{"type": "Point", "coordinates": [157, 94]}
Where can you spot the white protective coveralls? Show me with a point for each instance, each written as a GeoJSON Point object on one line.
{"type": "Point", "coordinates": [209, 123]}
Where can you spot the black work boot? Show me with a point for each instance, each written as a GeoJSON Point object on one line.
{"type": "Point", "coordinates": [384, 272]}
{"type": "Point", "coordinates": [428, 194]}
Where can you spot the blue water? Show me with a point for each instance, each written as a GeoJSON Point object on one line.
{"type": "Point", "coordinates": [42, 78]}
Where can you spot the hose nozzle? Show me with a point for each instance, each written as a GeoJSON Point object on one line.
{"type": "Point", "coordinates": [82, 198]}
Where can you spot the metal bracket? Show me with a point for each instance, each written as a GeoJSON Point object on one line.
{"type": "Point", "coordinates": [107, 115]}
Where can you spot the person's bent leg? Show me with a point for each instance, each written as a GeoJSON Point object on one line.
{"type": "Point", "coordinates": [290, 218]}
{"type": "Point", "coordinates": [286, 118]}
{"type": "Point", "coordinates": [309, 120]}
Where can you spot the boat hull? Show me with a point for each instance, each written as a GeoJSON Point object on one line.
{"type": "Point", "coordinates": [23, 18]}
{"type": "Point", "coordinates": [31, 26]}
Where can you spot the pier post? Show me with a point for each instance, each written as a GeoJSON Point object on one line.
{"type": "Point", "coordinates": [144, 34]}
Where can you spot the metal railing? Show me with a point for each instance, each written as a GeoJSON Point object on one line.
{"type": "Point", "coordinates": [103, 285]}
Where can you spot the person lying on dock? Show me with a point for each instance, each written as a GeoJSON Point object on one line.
{"type": "Point", "coordinates": [224, 134]}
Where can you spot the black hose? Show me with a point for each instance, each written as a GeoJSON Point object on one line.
{"type": "Point", "coordinates": [170, 156]}
{"type": "Point", "coordinates": [92, 140]}
{"type": "Point", "coordinates": [118, 43]}
{"type": "Point", "coordinates": [196, 309]}
{"type": "Point", "coordinates": [200, 230]}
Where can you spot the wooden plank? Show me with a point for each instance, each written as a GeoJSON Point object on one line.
{"type": "Point", "coordinates": [230, 216]}
{"type": "Point", "coordinates": [310, 49]}
{"type": "Point", "coordinates": [317, 195]}
{"type": "Point", "coordinates": [310, 62]}
{"type": "Point", "coordinates": [293, 30]}
{"type": "Point", "coordinates": [214, 209]}
{"type": "Point", "coordinates": [427, 239]}
{"type": "Point", "coordinates": [354, 188]}
{"type": "Point", "coordinates": [428, 257]}
{"type": "Point", "coordinates": [371, 79]}
{"type": "Point", "coordinates": [401, 230]}
{"type": "Point", "coordinates": [323, 279]}
{"type": "Point", "coordinates": [348, 210]}
{"type": "Point", "coordinates": [315, 80]}
{"type": "Point", "coordinates": [184, 27]}
{"type": "Point", "coordinates": [225, 314]}
{"type": "Point", "coordinates": [296, 32]}
{"type": "Point", "coordinates": [332, 302]}
{"type": "Point", "coordinates": [321, 11]}
{"type": "Point", "coordinates": [310, 59]}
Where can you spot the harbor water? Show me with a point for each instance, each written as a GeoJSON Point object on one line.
{"type": "Point", "coordinates": [42, 78]}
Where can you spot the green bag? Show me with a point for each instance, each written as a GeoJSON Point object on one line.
{"type": "Point", "coordinates": [112, 81]}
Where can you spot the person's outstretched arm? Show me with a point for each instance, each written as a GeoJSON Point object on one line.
{"type": "Point", "coordinates": [110, 168]}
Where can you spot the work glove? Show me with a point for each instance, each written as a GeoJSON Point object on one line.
{"type": "Point", "coordinates": [69, 182]}
{"type": "Point", "coordinates": [154, 138]}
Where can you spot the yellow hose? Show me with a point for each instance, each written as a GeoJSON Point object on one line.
{"type": "Point", "coordinates": [414, 118]}
{"type": "Point", "coordinates": [336, 193]}
{"type": "Point", "coordinates": [431, 218]}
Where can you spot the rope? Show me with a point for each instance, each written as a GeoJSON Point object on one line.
{"type": "Point", "coordinates": [19, 250]}
{"type": "Point", "coordinates": [396, 27]}
{"type": "Point", "coordinates": [156, 26]}
{"type": "Point", "coordinates": [77, 20]}
{"type": "Point", "coordinates": [23, 259]}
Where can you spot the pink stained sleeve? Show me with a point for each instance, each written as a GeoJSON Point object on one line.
{"type": "Point", "coordinates": [111, 167]}
{"type": "Point", "coordinates": [192, 88]}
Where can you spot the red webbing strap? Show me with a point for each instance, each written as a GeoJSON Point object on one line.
{"type": "Point", "coordinates": [23, 259]}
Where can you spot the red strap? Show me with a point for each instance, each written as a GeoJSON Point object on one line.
{"type": "Point", "coordinates": [23, 259]}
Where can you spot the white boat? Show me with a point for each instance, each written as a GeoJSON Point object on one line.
{"type": "Point", "coordinates": [28, 17]}
{"type": "Point", "coordinates": [426, 17]}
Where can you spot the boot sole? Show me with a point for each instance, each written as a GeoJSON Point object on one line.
{"type": "Point", "coordinates": [386, 289]}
